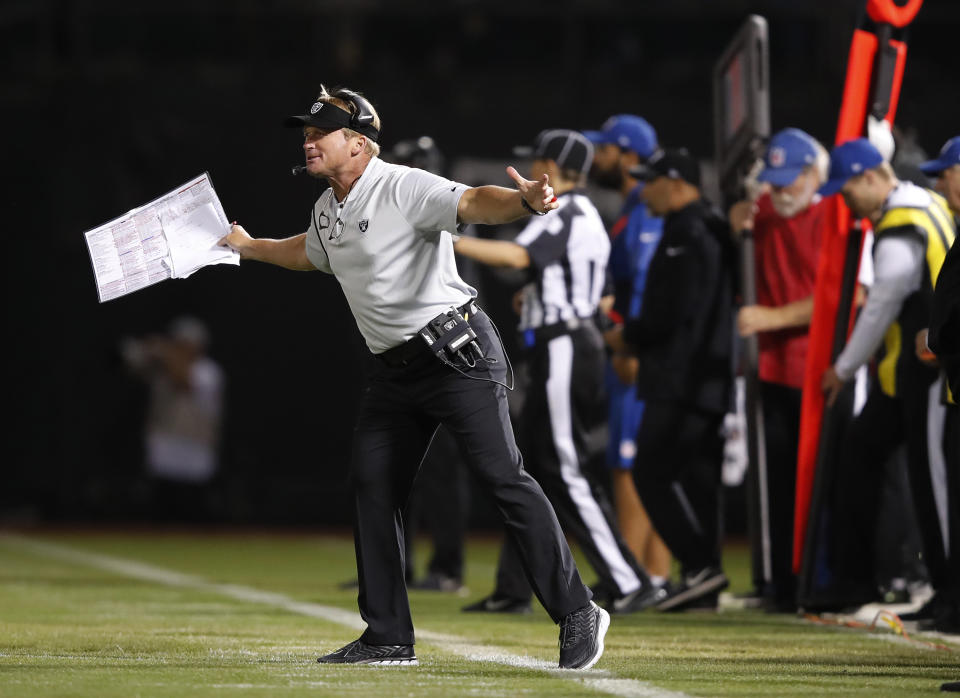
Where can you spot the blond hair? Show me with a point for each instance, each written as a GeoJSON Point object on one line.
{"type": "Point", "coordinates": [371, 148]}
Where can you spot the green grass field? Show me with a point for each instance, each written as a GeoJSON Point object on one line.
{"type": "Point", "coordinates": [237, 614]}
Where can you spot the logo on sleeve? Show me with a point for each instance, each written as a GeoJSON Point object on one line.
{"type": "Point", "coordinates": [364, 224]}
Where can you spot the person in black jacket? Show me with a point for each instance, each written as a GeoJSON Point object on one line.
{"type": "Point", "coordinates": [683, 340]}
{"type": "Point", "coordinates": [943, 340]}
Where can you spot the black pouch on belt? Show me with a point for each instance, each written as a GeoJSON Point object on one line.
{"type": "Point", "coordinates": [450, 337]}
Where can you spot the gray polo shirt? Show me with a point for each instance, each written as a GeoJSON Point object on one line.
{"type": "Point", "coordinates": [387, 244]}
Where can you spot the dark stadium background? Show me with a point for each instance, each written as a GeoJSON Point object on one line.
{"type": "Point", "coordinates": [107, 104]}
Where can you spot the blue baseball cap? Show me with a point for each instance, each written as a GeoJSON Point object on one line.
{"type": "Point", "coordinates": [790, 151]}
{"type": "Point", "coordinates": [627, 131]}
{"type": "Point", "coordinates": [949, 156]}
{"type": "Point", "coordinates": [849, 160]}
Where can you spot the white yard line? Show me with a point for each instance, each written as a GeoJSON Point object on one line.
{"type": "Point", "coordinates": [597, 680]}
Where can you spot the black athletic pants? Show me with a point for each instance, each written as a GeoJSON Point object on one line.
{"type": "Point", "coordinates": [677, 473]}
{"type": "Point", "coordinates": [565, 392]}
{"type": "Point", "coordinates": [781, 422]}
{"type": "Point", "coordinates": [440, 503]}
{"type": "Point", "coordinates": [877, 431]}
{"type": "Point", "coordinates": [951, 447]}
{"type": "Point", "coordinates": [399, 413]}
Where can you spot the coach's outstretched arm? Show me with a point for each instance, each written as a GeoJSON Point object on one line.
{"type": "Point", "coordinates": [289, 253]}
{"type": "Point", "coordinates": [492, 205]}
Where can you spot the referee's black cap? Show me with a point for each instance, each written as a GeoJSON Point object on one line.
{"type": "Point", "coordinates": [673, 163]}
{"type": "Point", "coordinates": [569, 149]}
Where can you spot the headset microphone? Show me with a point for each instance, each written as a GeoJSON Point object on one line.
{"type": "Point", "coordinates": [298, 169]}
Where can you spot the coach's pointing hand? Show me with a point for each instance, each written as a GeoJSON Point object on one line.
{"type": "Point", "coordinates": [537, 193]}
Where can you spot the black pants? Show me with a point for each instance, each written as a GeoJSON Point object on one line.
{"type": "Point", "coordinates": [781, 421]}
{"type": "Point", "coordinates": [440, 502]}
{"type": "Point", "coordinates": [565, 394]}
{"type": "Point", "coordinates": [873, 436]}
{"type": "Point", "coordinates": [399, 413]}
{"type": "Point", "coordinates": [951, 447]}
{"type": "Point", "coordinates": [677, 473]}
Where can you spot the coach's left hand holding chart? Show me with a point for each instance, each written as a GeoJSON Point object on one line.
{"type": "Point", "coordinates": [169, 238]}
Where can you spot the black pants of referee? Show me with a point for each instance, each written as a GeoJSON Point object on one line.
{"type": "Point", "coordinates": [917, 419]}
{"type": "Point", "coordinates": [399, 413]}
{"type": "Point", "coordinates": [677, 473]}
{"type": "Point", "coordinates": [565, 393]}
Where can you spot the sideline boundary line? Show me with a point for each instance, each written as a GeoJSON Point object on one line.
{"type": "Point", "coordinates": [594, 679]}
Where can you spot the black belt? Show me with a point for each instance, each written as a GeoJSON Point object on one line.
{"type": "Point", "coordinates": [415, 347]}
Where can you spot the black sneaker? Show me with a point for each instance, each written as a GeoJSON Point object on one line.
{"type": "Point", "coordinates": [604, 593]}
{"type": "Point", "coordinates": [359, 652]}
{"type": "Point", "coordinates": [701, 585]}
{"type": "Point", "coordinates": [581, 637]}
{"type": "Point", "coordinates": [928, 611]}
{"type": "Point", "coordinates": [644, 597]}
{"type": "Point", "coordinates": [499, 604]}
{"type": "Point", "coordinates": [434, 581]}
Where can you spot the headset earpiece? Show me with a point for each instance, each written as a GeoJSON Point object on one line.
{"type": "Point", "coordinates": [363, 112]}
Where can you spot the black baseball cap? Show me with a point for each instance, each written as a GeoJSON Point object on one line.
{"type": "Point", "coordinates": [330, 117]}
{"type": "Point", "coordinates": [674, 163]}
{"type": "Point", "coordinates": [569, 149]}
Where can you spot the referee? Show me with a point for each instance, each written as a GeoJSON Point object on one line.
{"type": "Point", "coordinates": [382, 230]}
{"type": "Point", "coordinates": [566, 258]}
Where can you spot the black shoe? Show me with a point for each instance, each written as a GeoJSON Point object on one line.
{"type": "Point", "coordinates": [646, 596]}
{"type": "Point", "coordinates": [499, 604]}
{"type": "Point", "coordinates": [603, 593]}
{"type": "Point", "coordinates": [359, 652]}
{"type": "Point", "coordinates": [434, 581]}
{"type": "Point", "coordinates": [927, 611]}
{"type": "Point", "coordinates": [895, 592]}
{"type": "Point", "coordinates": [950, 687]}
{"type": "Point", "coordinates": [695, 590]}
{"type": "Point", "coordinates": [581, 637]}
{"type": "Point", "coordinates": [946, 620]}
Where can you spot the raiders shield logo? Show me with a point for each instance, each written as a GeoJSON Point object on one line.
{"type": "Point", "coordinates": [363, 225]}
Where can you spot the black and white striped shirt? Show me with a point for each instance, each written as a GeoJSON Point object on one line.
{"type": "Point", "coordinates": [568, 260]}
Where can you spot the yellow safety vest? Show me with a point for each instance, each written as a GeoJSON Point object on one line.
{"type": "Point", "coordinates": [935, 227]}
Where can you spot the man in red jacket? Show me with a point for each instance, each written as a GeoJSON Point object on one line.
{"type": "Point", "coordinates": [786, 221]}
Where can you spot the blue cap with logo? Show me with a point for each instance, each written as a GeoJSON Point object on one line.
{"type": "Point", "coordinates": [627, 131]}
{"type": "Point", "coordinates": [949, 156]}
{"type": "Point", "coordinates": [789, 152]}
{"type": "Point", "coordinates": [849, 160]}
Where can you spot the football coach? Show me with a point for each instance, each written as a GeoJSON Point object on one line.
{"type": "Point", "coordinates": [386, 232]}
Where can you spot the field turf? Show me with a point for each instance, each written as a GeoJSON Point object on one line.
{"type": "Point", "coordinates": [150, 613]}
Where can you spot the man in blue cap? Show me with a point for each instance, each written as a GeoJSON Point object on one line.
{"type": "Point", "coordinates": [946, 169]}
{"type": "Point", "coordinates": [913, 230]}
{"type": "Point", "coordinates": [623, 142]}
{"type": "Point", "coordinates": [787, 221]}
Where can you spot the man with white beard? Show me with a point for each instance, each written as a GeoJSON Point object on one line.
{"type": "Point", "coordinates": [786, 220]}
